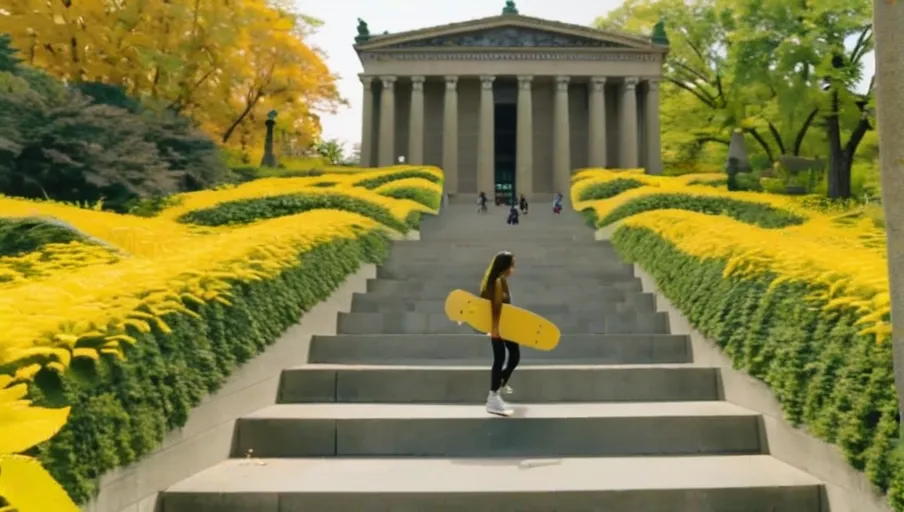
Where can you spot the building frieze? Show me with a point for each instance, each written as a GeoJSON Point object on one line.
{"type": "Point", "coordinates": [514, 56]}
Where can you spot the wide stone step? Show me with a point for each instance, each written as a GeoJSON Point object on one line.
{"type": "Point", "coordinates": [439, 323]}
{"type": "Point", "coordinates": [542, 305]}
{"type": "Point", "coordinates": [471, 257]}
{"type": "Point", "coordinates": [558, 274]}
{"type": "Point", "coordinates": [525, 250]}
{"type": "Point", "coordinates": [468, 384]}
{"type": "Point", "coordinates": [535, 430]}
{"type": "Point", "coordinates": [743, 483]}
{"type": "Point", "coordinates": [439, 288]}
{"type": "Point", "coordinates": [474, 349]}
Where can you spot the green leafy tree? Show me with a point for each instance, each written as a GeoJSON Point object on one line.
{"type": "Point", "coordinates": [805, 59]}
{"type": "Point", "coordinates": [332, 150]}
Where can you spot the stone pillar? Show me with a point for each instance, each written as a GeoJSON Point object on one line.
{"type": "Point", "coordinates": [628, 150]}
{"type": "Point", "coordinates": [416, 122]}
{"type": "Point", "coordinates": [386, 155]}
{"type": "Point", "coordinates": [524, 158]}
{"type": "Point", "coordinates": [486, 132]}
{"type": "Point", "coordinates": [562, 140]}
{"type": "Point", "coordinates": [367, 122]}
{"type": "Point", "coordinates": [596, 130]}
{"type": "Point", "coordinates": [450, 135]}
{"type": "Point", "coordinates": [651, 125]}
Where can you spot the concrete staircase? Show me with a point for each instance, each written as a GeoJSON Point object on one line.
{"type": "Point", "coordinates": [389, 414]}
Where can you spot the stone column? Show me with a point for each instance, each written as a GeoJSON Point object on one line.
{"type": "Point", "coordinates": [562, 140]}
{"type": "Point", "coordinates": [596, 130]}
{"type": "Point", "coordinates": [450, 135]}
{"type": "Point", "coordinates": [416, 122]}
{"type": "Point", "coordinates": [651, 125]}
{"type": "Point", "coordinates": [524, 158]}
{"type": "Point", "coordinates": [367, 122]}
{"type": "Point", "coordinates": [387, 122]}
{"type": "Point", "coordinates": [628, 150]}
{"type": "Point", "coordinates": [486, 132]}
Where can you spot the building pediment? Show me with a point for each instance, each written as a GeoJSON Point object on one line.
{"type": "Point", "coordinates": [508, 31]}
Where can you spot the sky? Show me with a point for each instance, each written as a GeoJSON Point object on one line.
{"type": "Point", "coordinates": [340, 19]}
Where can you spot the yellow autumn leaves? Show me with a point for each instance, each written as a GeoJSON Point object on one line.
{"type": "Point", "coordinates": [24, 484]}
{"type": "Point", "coordinates": [846, 258]}
{"type": "Point", "coordinates": [82, 299]}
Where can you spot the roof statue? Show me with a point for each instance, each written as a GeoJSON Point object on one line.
{"type": "Point", "coordinates": [659, 35]}
{"type": "Point", "coordinates": [363, 32]}
{"type": "Point", "coordinates": [509, 7]}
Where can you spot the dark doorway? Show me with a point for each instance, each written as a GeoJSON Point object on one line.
{"type": "Point", "coordinates": [506, 124]}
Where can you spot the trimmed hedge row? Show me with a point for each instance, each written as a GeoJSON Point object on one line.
{"type": "Point", "coordinates": [428, 198]}
{"type": "Point", "coordinates": [709, 183]}
{"type": "Point", "coordinates": [827, 376]}
{"type": "Point", "coordinates": [245, 211]}
{"type": "Point", "coordinates": [20, 236]}
{"type": "Point", "coordinates": [759, 214]}
{"type": "Point", "coordinates": [121, 410]}
{"type": "Point", "coordinates": [373, 183]}
{"type": "Point", "coordinates": [607, 189]}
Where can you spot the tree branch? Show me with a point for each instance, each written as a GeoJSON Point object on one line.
{"type": "Point", "coordinates": [761, 141]}
{"type": "Point", "coordinates": [706, 101]}
{"type": "Point", "coordinates": [777, 136]}
{"type": "Point", "coordinates": [799, 139]}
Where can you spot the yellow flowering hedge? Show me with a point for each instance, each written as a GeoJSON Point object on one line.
{"type": "Point", "coordinates": [127, 335]}
{"type": "Point", "coordinates": [802, 306]}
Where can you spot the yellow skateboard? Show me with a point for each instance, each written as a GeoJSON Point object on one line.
{"type": "Point", "coordinates": [515, 324]}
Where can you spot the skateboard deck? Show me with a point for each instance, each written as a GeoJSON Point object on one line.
{"type": "Point", "coordinates": [515, 324]}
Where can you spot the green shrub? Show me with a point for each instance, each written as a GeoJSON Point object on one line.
{"type": "Point", "coordinates": [748, 181]}
{"type": "Point", "coordinates": [152, 206]}
{"type": "Point", "coordinates": [325, 184]}
{"type": "Point", "coordinates": [121, 410]}
{"type": "Point", "coordinates": [413, 220]}
{"type": "Point", "coordinates": [608, 189]}
{"type": "Point", "coordinates": [760, 214]}
{"type": "Point", "coordinates": [710, 183]}
{"type": "Point", "coordinates": [836, 382]}
{"type": "Point", "coordinates": [428, 198]}
{"type": "Point", "coordinates": [590, 217]}
{"type": "Point", "coordinates": [20, 236]}
{"type": "Point", "coordinates": [382, 180]}
{"type": "Point", "coordinates": [245, 211]}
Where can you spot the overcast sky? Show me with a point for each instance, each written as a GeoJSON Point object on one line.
{"type": "Point", "coordinates": [341, 19]}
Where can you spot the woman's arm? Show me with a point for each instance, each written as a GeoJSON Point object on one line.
{"type": "Point", "coordinates": [496, 307]}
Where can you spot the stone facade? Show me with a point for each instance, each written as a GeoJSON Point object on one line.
{"type": "Point", "coordinates": [580, 97]}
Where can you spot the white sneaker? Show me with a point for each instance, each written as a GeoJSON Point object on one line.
{"type": "Point", "coordinates": [506, 390]}
{"type": "Point", "coordinates": [495, 405]}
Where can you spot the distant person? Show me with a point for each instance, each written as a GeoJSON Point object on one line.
{"type": "Point", "coordinates": [482, 203]}
{"type": "Point", "coordinates": [557, 203]}
{"type": "Point", "coordinates": [523, 204]}
{"type": "Point", "coordinates": [513, 214]}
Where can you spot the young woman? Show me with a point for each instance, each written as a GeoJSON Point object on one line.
{"type": "Point", "coordinates": [495, 289]}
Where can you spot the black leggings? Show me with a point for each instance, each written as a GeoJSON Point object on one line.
{"type": "Point", "coordinates": [498, 375]}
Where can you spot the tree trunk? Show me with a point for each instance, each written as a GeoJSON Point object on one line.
{"type": "Point", "coordinates": [836, 153]}
{"type": "Point", "coordinates": [250, 102]}
{"type": "Point", "coordinates": [888, 18]}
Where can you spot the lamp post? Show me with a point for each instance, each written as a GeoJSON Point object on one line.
{"type": "Point", "coordinates": [269, 159]}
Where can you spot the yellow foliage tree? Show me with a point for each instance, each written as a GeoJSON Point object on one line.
{"type": "Point", "coordinates": [223, 62]}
